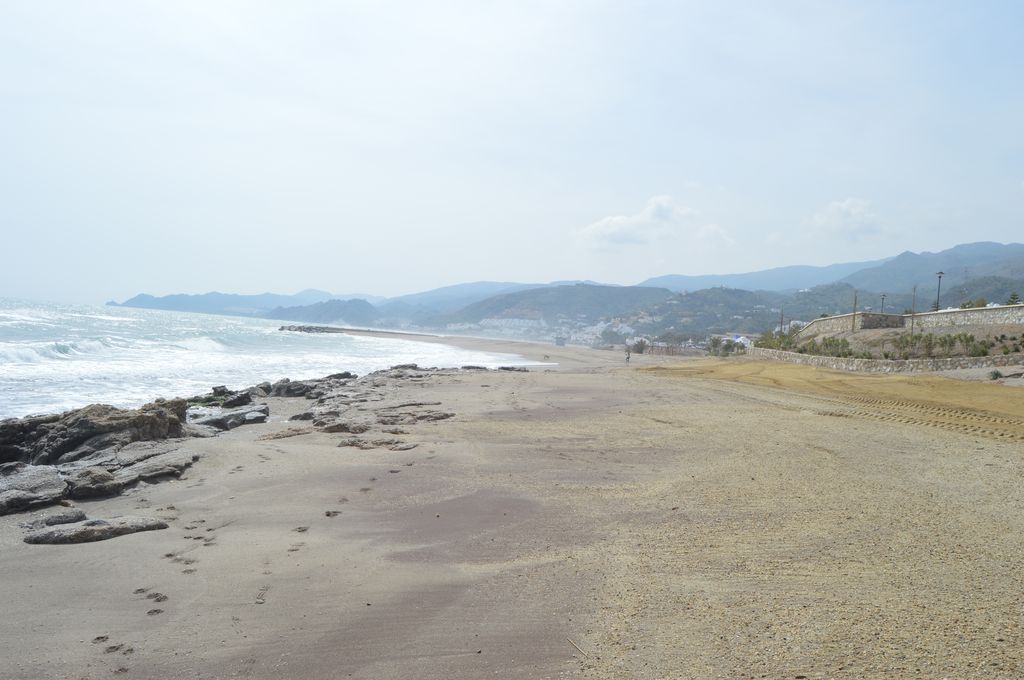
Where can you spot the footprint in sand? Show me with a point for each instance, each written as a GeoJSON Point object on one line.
{"type": "Point", "coordinates": [154, 612]}
{"type": "Point", "coordinates": [157, 597]}
{"type": "Point", "coordinates": [301, 530]}
{"type": "Point", "coordinates": [332, 513]}
{"type": "Point", "coordinates": [295, 547]}
{"type": "Point", "coordinates": [100, 638]}
{"type": "Point", "coordinates": [261, 595]}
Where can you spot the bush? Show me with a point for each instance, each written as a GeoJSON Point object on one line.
{"type": "Point", "coordinates": [977, 349]}
{"type": "Point", "coordinates": [994, 375]}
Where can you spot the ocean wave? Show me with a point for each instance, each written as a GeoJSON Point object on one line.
{"type": "Point", "coordinates": [200, 344]}
{"type": "Point", "coordinates": [101, 317]}
{"type": "Point", "coordinates": [35, 352]}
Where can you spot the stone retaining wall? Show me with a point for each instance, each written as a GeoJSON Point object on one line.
{"type": "Point", "coordinates": [887, 365]}
{"type": "Point", "coordinates": [1004, 315]}
{"type": "Point", "coordinates": [841, 323]}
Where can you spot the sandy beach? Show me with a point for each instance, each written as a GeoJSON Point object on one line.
{"type": "Point", "coordinates": [667, 518]}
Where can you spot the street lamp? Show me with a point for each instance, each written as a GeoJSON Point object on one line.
{"type": "Point", "coordinates": [882, 311]}
{"type": "Point", "coordinates": [938, 292]}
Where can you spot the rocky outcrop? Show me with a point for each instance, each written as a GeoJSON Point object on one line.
{"type": "Point", "coordinates": [170, 464]}
{"type": "Point", "coordinates": [365, 409]}
{"type": "Point", "coordinates": [100, 451]}
{"type": "Point", "coordinates": [93, 530]}
{"type": "Point", "coordinates": [49, 518]}
{"type": "Point", "coordinates": [232, 418]}
{"type": "Point", "coordinates": [237, 399]}
{"type": "Point", "coordinates": [92, 482]}
{"type": "Point", "coordinates": [70, 436]}
{"type": "Point", "coordinates": [24, 486]}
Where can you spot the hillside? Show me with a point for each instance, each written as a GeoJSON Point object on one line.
{"type": "Point", "coordinates": [224, 303]}
{"type": "Point", "coordinates": [453, 298]}
{"type": "Point", "coordinates": [343, 312]}
{"type": "Point", "coordinates": [960, 263]}
{"type": "Point", "coordinates": [777, 279]}
{"type": "Point", "coordinates": [713, 310]}
{"type": "Point", "coordinates": [579, 303]}
{"type": "Point", "coordinates": [581, 310]}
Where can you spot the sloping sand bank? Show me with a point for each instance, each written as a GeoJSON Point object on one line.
{"type": "Point", "coordinates": [700, 519]}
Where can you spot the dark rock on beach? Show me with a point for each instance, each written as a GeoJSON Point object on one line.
{"type": "Point", "coordinates": [23, 486]}
{"type": "Point", "coordinates": [49, 518]}
{"type": "Point", "coordinates": [63, 438]}
{"type": "Point", "coordinates": [237, 399]}
{"type": "Point", "coordinates": [230, 419]}
{"type": "Point", "coordinates": [99, 450]}
{"type": "Point", "coordinates": [94, 530]}
{"type": "Point", "coordinates": [92, 482]}
{"type": "Point", "coordinates": [170, 464]}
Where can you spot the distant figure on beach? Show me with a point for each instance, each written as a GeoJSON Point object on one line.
{"type": "Point", "coordinates": [627, 354]}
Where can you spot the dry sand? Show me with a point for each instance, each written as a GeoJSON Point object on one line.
{"type": "Point", "coordinates": [671, 518]}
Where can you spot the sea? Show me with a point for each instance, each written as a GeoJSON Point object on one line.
{"type": "Point", "coordinates": [55, 357]}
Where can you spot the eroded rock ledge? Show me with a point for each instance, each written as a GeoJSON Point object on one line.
{"type": "Point", "coordinates": [101, 450]}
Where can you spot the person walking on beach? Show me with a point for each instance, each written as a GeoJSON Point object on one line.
{"type": "Point", "coordinates": [627, 354]}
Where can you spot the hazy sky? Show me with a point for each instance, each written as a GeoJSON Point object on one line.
{"type": "Point", "coordinates": [393, 147]}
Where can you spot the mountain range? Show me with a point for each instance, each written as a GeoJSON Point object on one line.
{"type": "Point", "coordinates": [672, 305]}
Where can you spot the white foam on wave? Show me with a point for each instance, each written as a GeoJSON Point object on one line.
{"type": "Point", "coordinates": [88, 359]}
{"type": "Point", "coordinates": [101, 317]}
{"type": "Point", "coordinates": [200, 344]}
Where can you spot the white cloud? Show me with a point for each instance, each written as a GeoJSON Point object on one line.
{"type": "Point", "coordinates": [851, 218]}
{"type": "Point", "coordinates": [713, 233]}
{"type": "Point", "coordinates": [660, 220]}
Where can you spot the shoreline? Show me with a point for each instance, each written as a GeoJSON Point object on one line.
{"type": "Point", "coordinates": [694, 518]}
{"type": "Point", "coordinates": [527, 352]}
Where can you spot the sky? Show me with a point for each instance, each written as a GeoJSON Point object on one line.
{"type": "Point", "coordinates": [392, 147]}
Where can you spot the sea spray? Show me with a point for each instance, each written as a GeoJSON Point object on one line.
{"type": "Point", "coordinates": [58, 357]}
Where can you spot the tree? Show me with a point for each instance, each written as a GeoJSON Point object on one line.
{"type": "Point", "coordinates": [611, 337]}
{"type": "Point", "coordinates": [928, 344]}
{"type": "Point", "coordinates": [947, 343]}
{"type": "Point", "coordinates": [1014, 299]}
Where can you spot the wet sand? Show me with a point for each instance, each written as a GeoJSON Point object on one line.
{"type": "Point", "coordinates": [672, 518]}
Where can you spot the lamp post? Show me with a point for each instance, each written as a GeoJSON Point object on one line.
{"type": "Point", "coordinates": [882, 311]}
{"type": "Point", "coordinates": [913, 312]}
{"type": "Point", "coordinates": [853, 317]}
{"type": "Point", "coordinates": [938, 292]}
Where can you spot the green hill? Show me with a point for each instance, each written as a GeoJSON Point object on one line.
{"type": "Point", "coordinates": [580, 303]}
{"type": "Point", "coordinates": [960, 264]}
{"type": "Point", "coordinates": [350, 312]}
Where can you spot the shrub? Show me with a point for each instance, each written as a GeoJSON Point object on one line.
{"type": "Point", "coordinates": [994, 375]}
